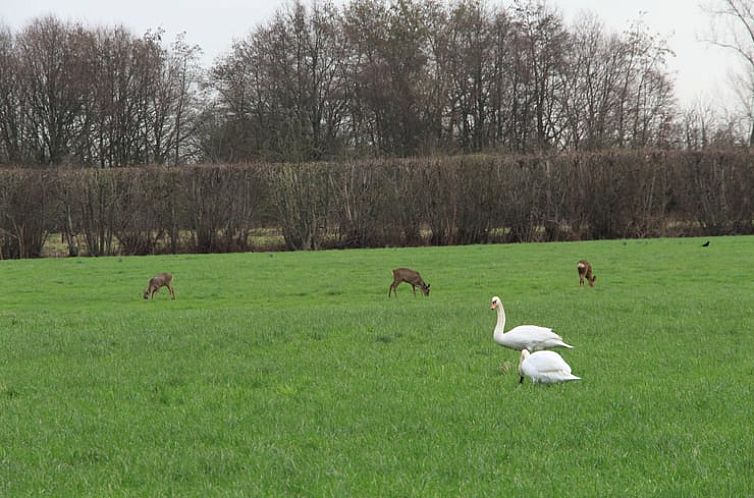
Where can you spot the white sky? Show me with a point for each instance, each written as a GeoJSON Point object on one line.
{"type": "Point", "coordinates": [700, 71]}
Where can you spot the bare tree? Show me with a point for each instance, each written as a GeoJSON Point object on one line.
{"type": "Point", "coordinates": [698, 124]}
{"type": "Point", "coordinates": [541, 42]}
{"type": "Point", "coordinates": [282, 87]}
{"type": "Point", "coordinates": [11, 118]}
{"type": "Point", "coordinates": [471, 36]}
{"type": "Point", "coordinates": [590, 98]}
{"type": "Point", "coordinates": [733, 29]}
{"type": "Point", "coordinates": [52, 73]}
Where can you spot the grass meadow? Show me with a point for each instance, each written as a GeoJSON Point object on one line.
{"type": "Point", "coordinates": [293, 374]}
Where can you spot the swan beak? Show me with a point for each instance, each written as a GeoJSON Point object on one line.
{"type": "Point", "coordinates": [492, 306]}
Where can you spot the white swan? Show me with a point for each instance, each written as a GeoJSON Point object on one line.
{"type": "Point", "coordinates": [531, 337]}
{"type": "Point", "coordinates": [547, 367]}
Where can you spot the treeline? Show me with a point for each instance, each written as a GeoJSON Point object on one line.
{"type": "Point", "coordinates": [373, 78]}
{"type": "Point", "coordinates": [375, 203]}
{"type": "Point", "coordinates": [95, 97]}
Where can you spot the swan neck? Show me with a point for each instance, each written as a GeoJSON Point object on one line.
{"type": "Point", "coordinates": [500, 326]}
{"type": "Point", "coordinates": [524, 355]}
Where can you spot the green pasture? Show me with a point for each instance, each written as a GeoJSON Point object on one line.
{"type": "Point", "coordinates": [293, 374]}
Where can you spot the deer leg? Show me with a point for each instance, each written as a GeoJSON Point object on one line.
{"type": "Point", "coordinates": [413, 288]}
{"type": "Point", "coordinates": [172, 292]}
{"type": "Point", "coordinates": [392, 289]}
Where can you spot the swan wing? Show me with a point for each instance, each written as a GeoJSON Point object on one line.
{"type": "Point", "coordinates": [520, 338]}
{"type": "Point", "coordinates": [533, 338]}
{"type": "Point", "coordinates": [536, 331]}
{"type": "Point", "coordinates": [545, 361]}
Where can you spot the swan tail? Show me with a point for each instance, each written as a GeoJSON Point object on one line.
{"type": "Point", "coordinates": [556, 343]}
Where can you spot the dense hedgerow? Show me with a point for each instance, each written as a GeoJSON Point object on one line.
{"type": "Point", "coordinates": [381, 202]}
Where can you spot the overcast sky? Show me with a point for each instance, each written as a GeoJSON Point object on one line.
{"type": "Point", "coordinates": [699, 70]}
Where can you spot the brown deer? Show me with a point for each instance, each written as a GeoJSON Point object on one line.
{"type": "Point", "coordinates": [410, 277]}
{"type": "Point", "coordinates": [157, 282]}
{"type": "Point", "coordinates": [585, 272]}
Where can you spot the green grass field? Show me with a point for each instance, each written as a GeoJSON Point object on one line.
{"type": "Point", "coordinates": [293, 374]}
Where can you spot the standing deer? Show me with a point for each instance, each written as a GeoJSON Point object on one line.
{"type": "Point", "coordinates": [585, 272]}
{"type": "Point", "coordinates": [409, 276]}
{"type": "Point", "coordinates": [157, 282]}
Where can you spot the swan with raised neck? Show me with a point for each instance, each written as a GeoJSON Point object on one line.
{"type": "Point", "coordinates": [531, 337]}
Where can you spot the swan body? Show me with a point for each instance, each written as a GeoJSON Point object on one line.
{"type": "Point", "coordinates": [531, 337]}
{"type": "Point", "coordinates": [546, 367]}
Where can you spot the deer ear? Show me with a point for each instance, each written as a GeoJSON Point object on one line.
{"type": "Point", "coordinates": [428, 285]}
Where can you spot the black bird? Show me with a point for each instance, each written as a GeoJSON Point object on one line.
{"type": "Point", "coordinates": [706, 244]}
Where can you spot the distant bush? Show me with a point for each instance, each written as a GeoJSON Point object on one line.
{"type": "Point", "coordinates": [28, 210]}
{"type": "Point", "coordinates": [375, 203]}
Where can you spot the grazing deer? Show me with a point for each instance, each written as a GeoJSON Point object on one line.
{"type": "Point", "coordinates": [409, 276]}
{"type": "Point", "coordinates": [585, 271]}
{"type": "Point", "coordinates": [157, 282]}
